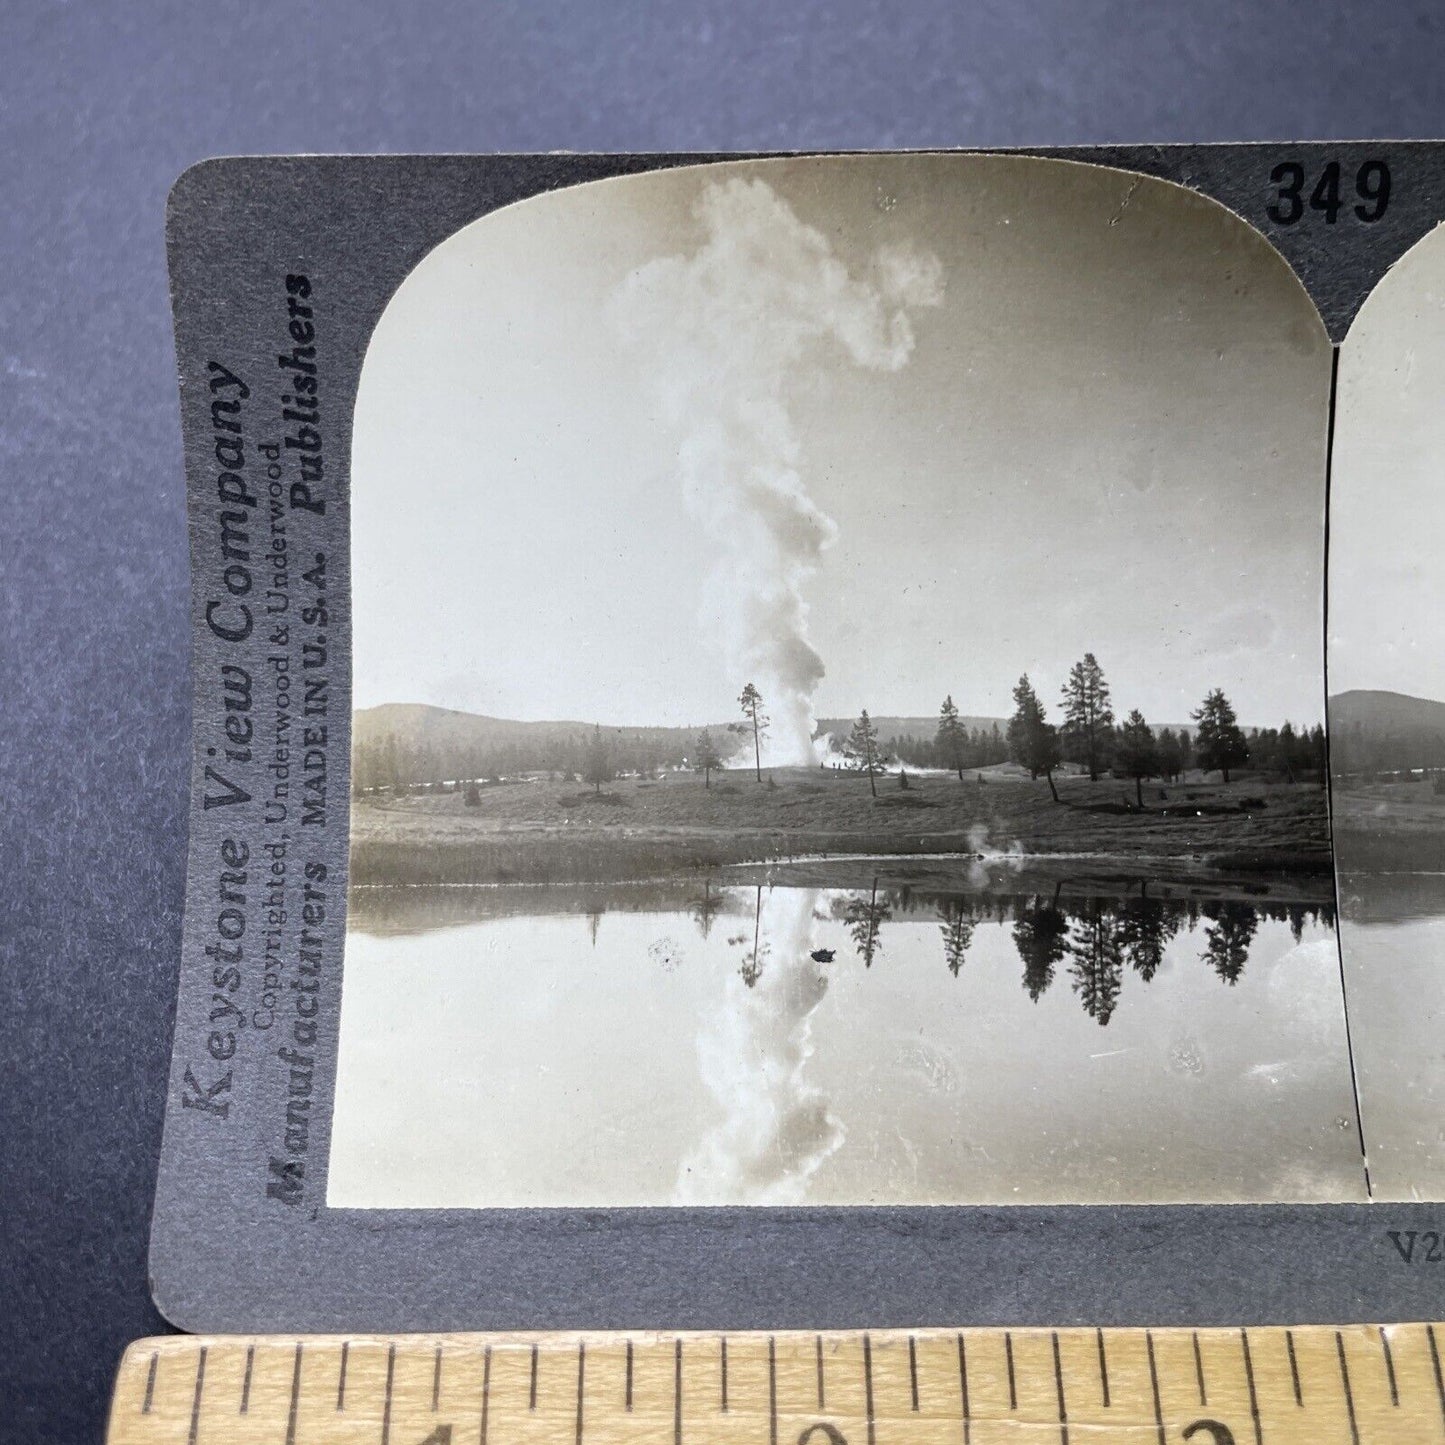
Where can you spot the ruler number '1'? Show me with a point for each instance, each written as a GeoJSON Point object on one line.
{"type": "Point", "coordinates": [1371, 182]}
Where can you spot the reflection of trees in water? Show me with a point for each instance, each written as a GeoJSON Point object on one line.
{"type": "Point", "coordinates": [751, 968]}
{"type": "Point", "coordinates": [1100, 938]}
{"type": "Point", "coordinates": [1039, 936]}
{"type": "Point", "coordinates": [865, 918]}
{"type": "Point", "coordinates": [706, 908]}
{"type": "Point", "coordinates": [1227, 938]}
{"type": "Point", "coordinates": [1148, 926]}
{"type": "Point", "coordinates": [957, 931]}
{"type": "Point", "coordinates": [1096, 946]}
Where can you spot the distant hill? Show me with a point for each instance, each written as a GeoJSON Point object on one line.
{"type": "Point", "coordinates": [421, 726]}
{"type": "Point", "coordinates": [1386, 711]}
{"type": "Point", "coordinates": [1377, 732]}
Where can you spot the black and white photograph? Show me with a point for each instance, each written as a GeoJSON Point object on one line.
{"type": "Point", "coordinates": [838, 702]}
{"type": "Point", "coordinates": [1387, 715]}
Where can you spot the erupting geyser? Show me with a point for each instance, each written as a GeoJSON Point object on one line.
{"type": "Point", "coordinates": [723, 331]}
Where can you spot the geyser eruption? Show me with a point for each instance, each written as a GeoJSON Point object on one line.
{"type": "Point", "coordinates": [776, 1130]}
{"type": "Point", "coordinates": [725, 331]}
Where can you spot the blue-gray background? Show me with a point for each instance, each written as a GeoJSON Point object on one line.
{"type": "Point", "coordinates": [101, 107]}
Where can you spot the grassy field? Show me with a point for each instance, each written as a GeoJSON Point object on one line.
{"type": "Point", "coordinates": [1390, 827]}
{"type": "Point", "coordinates": [555, 831]}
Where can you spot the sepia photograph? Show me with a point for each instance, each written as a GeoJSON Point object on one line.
{"type": "Point", "coordinates": [1387, 715]}
{"type": "Point", "coordinates": [839, 702]}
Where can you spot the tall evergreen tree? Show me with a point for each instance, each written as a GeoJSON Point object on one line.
{"type": "Point", "coordinates": [598, 766]}
{"type": "Point", "coordinates": [862, 750]}
{"type": "Point", "coordinates": [1219, 744]}
{"type": "Point", "coordinates": [951, 739]}
{"type": "Point", "coordinates": [751, 702]}
{"type": "Point", "coordinates": [1088, 725]}
{"type": "Point", "coordinates": [1171, 755]}
{"type": "Point", "coordinates": [706, 756]}
{"type": "Point", "coordinates": [1033, 742]}
{"type": "Point", "coordinates": [1138, 752]}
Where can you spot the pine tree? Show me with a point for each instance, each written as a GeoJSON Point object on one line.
{"type": "Point", "coordinates": [862, 750]}
{"type": "Point", "coordinates": [751, 701]}
{"type": "Point", "coordinates": [597, 768]}
{"type": "Point", "coordinates": [951, 740]}
{"type": "Point", "coordinates": [1220, 745]}
{"type": "Point", "coordinates": [706, 757]}
{"type": "Point", "coordinates": [1138, 752]}
{"type": "Point", "coordinates": [1033, 742]}
{"type": "Point", "coordinates": [1171, 755]}
{"type": "Point", "coordinates": [1088, 717]}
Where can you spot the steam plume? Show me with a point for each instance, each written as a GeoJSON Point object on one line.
{"type": "Point", "coordinates": [776, 1129]}
{"type": "Point", "coordinates": [727, 329]}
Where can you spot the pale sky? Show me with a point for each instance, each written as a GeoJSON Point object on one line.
{"type": "Point", "coordinates": [1387, 586]}
{"type": "Point", "coordinates": [1108, 435]}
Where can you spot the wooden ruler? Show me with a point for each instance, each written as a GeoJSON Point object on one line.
{"type": "Point", "coordinates": [1357, 1385]}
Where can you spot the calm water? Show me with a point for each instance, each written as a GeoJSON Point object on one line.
{"type": "Point", "coordinates": [1392, 935]}
{"type": "Point", "coordinates": [848, 1045]}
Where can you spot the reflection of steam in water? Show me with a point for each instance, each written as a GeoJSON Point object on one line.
{"type": "Point", "coordinates": [776, 1129]}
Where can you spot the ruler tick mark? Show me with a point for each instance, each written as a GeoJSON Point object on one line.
{"type": "Point", "coordinates": [386, 1404]}
{"type": "Point", "coordinates": [772, 1391]}
{"type": "Point", "coordinates": [963, 1388]}
{"type": "Point", "coordinates": [1103, 1367]}
{"type": "Point", "coordinates": [436, 1379]}
{"type": "Point", "coordinates": [196, 1398]}
{"type": "Point", "coordinates": [340, 1378]}
{"type": "Point", "coordinates": [1389, 1367]}
{"type": "Point", "coordinates": [1059, 1385]}
{"type": "Point", "coordinates": [868, 1385]}
{"type": "Point", "coordinates": [581, 1379]}
{"type": "Point", "coordinates": [145, 1408]}
{"type": "Point", "coordinates": [1199, 1370]}
{"type": "Point", "coordinates": [1349, 1393]}
{"type": "Point", "coordinates": [1435, 1361]}
{"type": "Point", "coordinates": [677, 1392]}
{"type": "Point", "coordinates": [723, 1362]}
{"type": "Point", "coordinates": [532, 1389]}
{"type": "Point", "coordinates": [628, 1400]}
{"type": "Point", "coordinates": [1008, 1349]}
{"type": "Point", "coordinates": [246, 1379]}
{"type": "Point", "coordinates": [912, 1373]}
{"type": "Point", "coordinates": [818, 1349]}
{"type": "Point", "coordinates": [486, 1390]}
{"type": "Point", "coordinates": [1154, 1387]}
{"type": "Point", "coordinates": [1253, 1394]}
{"type": "Point", "coordinates": [1293, 1367]}
{"type": "Point", "coordinates": [296, 1396]}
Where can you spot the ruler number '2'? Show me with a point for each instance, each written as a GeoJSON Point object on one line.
{"type": "Point", "coordinates": [1372, 186]}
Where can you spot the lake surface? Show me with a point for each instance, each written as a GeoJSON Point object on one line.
{"type": "Point", "coordinates": [709, 1044]}
{"type": "Point", "coordinates": [1392, 935]}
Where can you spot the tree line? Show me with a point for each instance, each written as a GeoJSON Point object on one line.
{"type": "Point", "coordinates": [1088, 734]}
